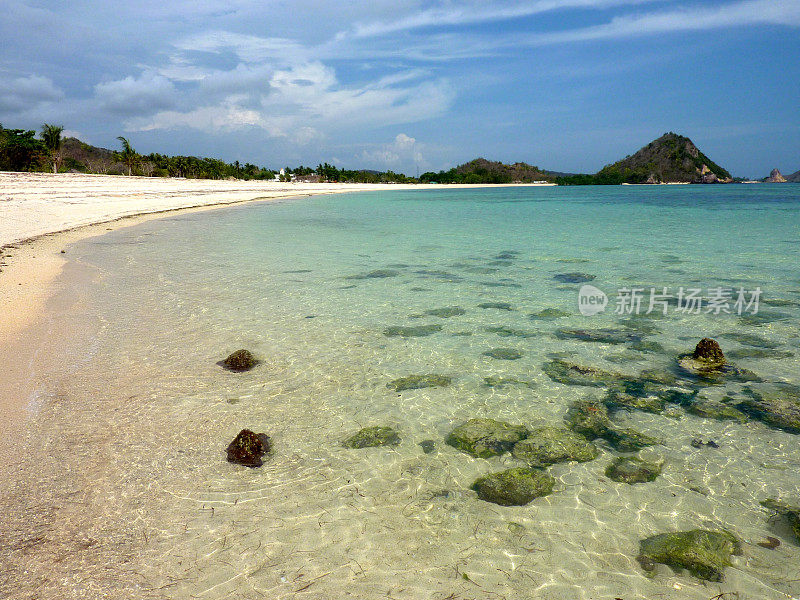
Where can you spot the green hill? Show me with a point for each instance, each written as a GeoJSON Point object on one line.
{"type": "Point", "coordinates": [481, 170]}
{"type": "Point", "coordinates": [672, 158]}
{"type": "Point", "coordinates": [794, 177]}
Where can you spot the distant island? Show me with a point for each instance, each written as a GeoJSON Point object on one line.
{"type": "Point", "coordinates": [672, 158]}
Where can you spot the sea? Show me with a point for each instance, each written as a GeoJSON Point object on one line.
{"type": "Point", "coordinates": [128, 493]}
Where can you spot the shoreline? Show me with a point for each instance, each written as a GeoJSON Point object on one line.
{"type": "Point", "coordinates": [30, 264]}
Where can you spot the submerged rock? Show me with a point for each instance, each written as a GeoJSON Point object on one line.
{"type": "Point", "coordinates": [370, 437]}
{"type": "Point", "coordinates": [248, 447]}
{"type": "Point", "coordinates": [777, 405]}
{"type": "Point", "coordinates": [629, 440]}
{"type": "Point", "coordinates": [704, 553]}
{"type": "Point", "coordinates": [574, 277]}
{"type": "Point", "coordinates": [760, 353]}
{"type": "Point", "coordinates": [376, 274]}
{"type": "Point", "coordinates": [501, 382]}
{"type": "Point", "coordinates": [447, 312]}
{"type": "Point", "coordinates": [509, 332]}
{"type": "Point", "coordinates": [630, 469]}
{"type": "Point", "coordinates": [719, 411]}
{"type": "Point", "coordinates": [550, 445]}
{"type": "Point", "coordinates": [428, 446]}
{"type": "Point", "coordinates": [749, 339]}
{"type": "Point", "coordinates": [486, 437]}
{"type": "Point", "coordinates": [791, 513]}
{"type": "Point", "coordinates": [416, 382]}
{"type": "Point", "coordinates": [241, 360]}
{"type": "Point", "coordinates": [708, 364]}
{"type": "Point", "coordinates": [497, 305]}
{"type": "Point", "coordinates": [569, 373]}
{"type": "Point", "coordinates": [634, 394]}
{"type": "Point", "coordinates": [588, 418]}
{"type": "Point", "coordinates": [514, 487]}
{"type": "Point", "coordinates": [416, 331]}
{"type": "Point", "coordinates": [549, 314]}
{"type": "Point", "coordinates": [601, 336]}
{"type": "Point", "coordinates": [503, 353]}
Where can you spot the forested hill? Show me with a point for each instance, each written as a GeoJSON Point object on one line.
{"type": "Point", "coordinates": [481, 170]}
{"type": "Point", "coordinates": [672, 158]}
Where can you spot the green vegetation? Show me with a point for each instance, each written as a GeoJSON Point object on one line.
{"type": "Point", "coordinates": [51, 136]}
{"type": "Point", "coordinates": [481, 170]}
{"type": "Point", "coordinates": [20, 150]}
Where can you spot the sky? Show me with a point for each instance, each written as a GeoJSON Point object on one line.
{"type": "Point", "coordinates": [568, 85]}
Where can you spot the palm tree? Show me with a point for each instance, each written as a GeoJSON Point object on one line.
{"type": "Point", "coordinates": [129, 156]}
{"type": "Point", "coordinates": [51, 136]}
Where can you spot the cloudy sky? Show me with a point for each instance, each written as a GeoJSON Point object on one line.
{"type": "Point", "coordinates": [564, 84]}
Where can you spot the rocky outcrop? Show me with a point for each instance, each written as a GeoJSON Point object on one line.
{"type": "Point", "coordinates": [704, 553]}
{"type": "Point", "coordinates": [483, 438]}
{"type": "Point", "coordinates": [248, 448]}
{"type": "Point", "coordinates": [630, 469]}
{"type": "Point", "coordinates": [775, 177]}
{"type": "Point", "coordinates": [550, 445]}
{"type": "Point", "coordinates": [514, 487]}
{"type": "Point", "coordinates": [370, 437]}
{"type": "Point", "coordinates": [241, 360]}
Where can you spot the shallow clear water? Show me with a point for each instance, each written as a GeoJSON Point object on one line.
{"type": "Point", "coordinates": [143, 414]}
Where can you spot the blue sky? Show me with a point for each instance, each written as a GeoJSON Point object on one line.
{"type": "Point", "coordinates": [568, 85]}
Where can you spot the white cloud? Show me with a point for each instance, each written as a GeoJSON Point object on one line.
{"type": "Point", "coordinates": [136, 95]}
{"type": "Point", "coordinates": [741, 14]}
{"type": "Point", "coordinates": [25, 93]}
{"type": "Point", "coordinates": [402, 152]}
{"type": "Point", "coordinates": [475, 12]}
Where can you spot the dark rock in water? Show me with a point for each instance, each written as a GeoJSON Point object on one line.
{"type": "Point", "coordinates": [792, 514]}
{"type": "Point", "coordinates": [501, 382]}
{"type": "Point", "coordinates": [503, 353]}
{"type": "Point", "coordinates": [574, 277]}
{"type": "Point", "coordinates": [248, 447]}
{"type": "Point", "coordinates": [770, 543]}
{"type": "Point", "coordinates": [601, 336]}
{"type": "Point", "coordinates": [550, 445]}
{"type": "Point", "coordinates": [704, 553]}
{"type": "Point", "coordinates": [708, 351]}
{"type": "Point", "coordinates": [698, 443]}
{"type": "Point", "coordinates": [763, 317]}
{"type": "Point", "coordinates": [777, 405]}
{"type": "Point", "coordinates": [647, 346]}
{"type": "Point", "coordinates": [417, 382]}
{"type": "Point", "coordinates": [549, 314]}
{"type": "Point", "coordinates": [507, 255]}
{"type": "Point", "coordinates": [719, 411]}
{"type": "Point", "coordinates": [514, 487]}
{"type": "Point", "coordinates": [681, 397]}
{"type": "Point", "coordinates": [634, 395]}
{"type": "Point", "coordinates": [373, 436]}
{"type": "Point", "coordinates": [630, 469]}
{"type": "Point", "coordinates": [241, 360]}
{"type": "Point", "coordinates": [500, 284]}
{"type": "Point", "coordinates": [568, 373]}
{"type": "Point", "coordinates": [658, 376]}
{"type": "Point", "coordinates": [376, 274]}
{"type": "Point", "coordinates": [749, 339]}
{"type": "Point", "coordinates": [439, 275]}
{"type": "Point", "coordinates": [416, 331]}
{"type": "Point", "coordinates": [486, 437]}
{"type": "Point", "coordinates": [481, 270]}
{"type": "Point", "coordinates": [428, 446]}
{"type": "Point", "coordinates": [497, 305]}
{"type": "Point", "coordinates": [509, 332]}
{"type": "Point", "coordinates": [629, 440]}
{"type": "Point", "coordinates": [760, 353]}
{"type": "Point", "coordinates": [444, 313]}
{"type": "Point", "coordinates": [588, 418]}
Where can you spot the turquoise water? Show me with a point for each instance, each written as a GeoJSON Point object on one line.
{"type": "Point", "coordinates": [145, 406]}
